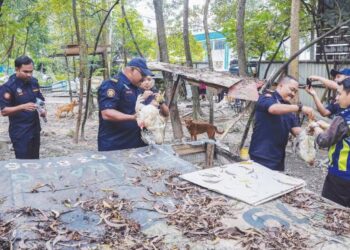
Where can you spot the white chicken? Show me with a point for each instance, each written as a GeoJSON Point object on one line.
{"type": "Point", "coordinates": [306, 146]}
{"type": "Point", "coordinates": [151, 119]}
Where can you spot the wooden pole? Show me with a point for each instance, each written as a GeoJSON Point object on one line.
{"type": "Point", "coordinates": [294, 38]}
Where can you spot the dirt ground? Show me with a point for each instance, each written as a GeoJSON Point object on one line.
{"type": "Point", "coordinates": [57, 139]}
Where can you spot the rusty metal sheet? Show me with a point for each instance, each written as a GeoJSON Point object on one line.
{"type": "Point", "coordinates": [244, 90]}
{"type": "Point", "coordinates": [212, 79]}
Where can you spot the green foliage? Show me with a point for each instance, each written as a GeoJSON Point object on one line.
{"type": "Point", "coordinates": [265, 23]}
{"type": "Point", "coordinates": [176, 48]}
{"type": "Point", "coordinates": [144, 38]}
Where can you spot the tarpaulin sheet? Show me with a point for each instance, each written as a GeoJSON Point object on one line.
{"type": "Point", "coordinates": [66, 180]}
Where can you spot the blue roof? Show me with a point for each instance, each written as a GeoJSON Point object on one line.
{"type": "Point", "coordinates": [212, 36]}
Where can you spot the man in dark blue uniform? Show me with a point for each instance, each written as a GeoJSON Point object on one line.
{"type": "Point", "coordinates": [117, 96]}
{"type": "Point", "coordinates": [333, 108]}
{"type": "Point", "coordinates": [274, 119]}
{"type": "Point", "coordinates": [18, 97]}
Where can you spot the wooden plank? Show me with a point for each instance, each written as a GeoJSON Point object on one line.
{"type": "Point", "coordinates": [211, 79]}
{"type": "Point", "coordinates": [249, 182]}
{"type": "Point", "coordinates": [185, 149]}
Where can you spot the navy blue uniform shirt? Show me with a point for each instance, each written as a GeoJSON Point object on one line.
{"type": "Point", "coordinates": [120, 96]}
{"type": "Point", "coordinates": [24, 124]}
{"type": "Point", "coordinates": [334, 108]}
{"type": "Point", "coordinates": [270, 133]}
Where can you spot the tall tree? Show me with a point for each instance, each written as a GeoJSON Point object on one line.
{"type": "Point", "coordinates": [194, 89]}
{"type": "Point", "coordinates": [294, 37]}
{"type": "Point", "coordinates": [207, 38]}
{"type": "Point", "coordinates": [83, 56]}
{"type": "Point", "coordinates": [164, 57]}
{"type": "Point", "coordinates": [89, 96]}
{"type": "Point", "coordinates": [210, 59]}
{"type": "Point", "coordinates": [242, 60]}
{"type": "Point", "coordinates": [130, 29]}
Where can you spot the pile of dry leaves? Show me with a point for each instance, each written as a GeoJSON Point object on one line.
{"type": "Point", "coordinates": [302, 200]}
{"type": "Point", "coordinates": [121, 232]}
{"type": "Point", "coordinates": [275, 238]}
{"type": "Point", "coordinates": [5, 234]}
{"type": "Point", "coordinates": [47, 230]}
{"type": "Point", "coordinates": [198, 214]}
{"type": "Point", "coordinates": [337, 220]}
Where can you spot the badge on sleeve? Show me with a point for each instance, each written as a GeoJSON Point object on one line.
{"type": "Point", "coordinates": [7, 96]}
{"type": "Point", "coordinates": [19, 91]}
{"type": "Point", "coordinates": [110, 93]}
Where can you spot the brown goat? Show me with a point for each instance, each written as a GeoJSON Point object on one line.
{"type": "Point", "coordinates": [68, 108]}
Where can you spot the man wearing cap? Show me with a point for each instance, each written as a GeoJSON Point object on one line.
{"type": "Point", "coordinates": [332, 108]}
{"type": "Point", "coordinates": [117, 96]}
{"type": "Point", "coordinates": [336, 138]}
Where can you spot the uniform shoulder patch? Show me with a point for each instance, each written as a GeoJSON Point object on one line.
{"type": "Point", "coordinates": [115, 80]}
{"type": "Point", "coordinates": [7, 96]}
{"type": "Point", "coordinates": [110, 93]}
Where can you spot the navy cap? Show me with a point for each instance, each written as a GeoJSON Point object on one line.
{"type": "Point", "coordinates": [140, 63]}
{"type": "Point", "coordinates": [345, 71]}
{"type": "Point", "coordinates": [346, 83]}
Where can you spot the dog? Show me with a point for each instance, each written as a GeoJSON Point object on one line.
{"type": "Point", "coordinates": [68, 108]}
{"type": "Point", "coordinates": [198, 127]}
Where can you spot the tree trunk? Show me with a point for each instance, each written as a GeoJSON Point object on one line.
{"type": "Point", "coordinates": [210, 60]}
{"type": "Point", "coordinates": [242, 60]}
{"type": "Point", "coordinates": [130, 30]}
{"type": "Point", "coordinates": [276, 52]}
{"type": "Point", "coordinates": [69, 84]}
{"type": "Point", "coordinates": [294, 38]}
{"type": "Point", "coordinates": [123, 41]}
{"type": "Point", "coordinates": [9, 50]}
{"type": "Point", "coordinates": [164, 57]}
{"type": "Point", "coordinates": [81, 37]}
{"type": "Point", "coordinates": [194, 89]}
{"type": "Point", "coordinates": [26, 41]}
{"type": "Point", "coordinates": [1, 3]}
{"type": "Point", "coordinates": [259, 62]}
{"type": "Point", "coordinates": [105, 42]}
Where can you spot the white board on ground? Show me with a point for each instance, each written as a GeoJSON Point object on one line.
{"type": "Point", "coordinates": [247, 181]}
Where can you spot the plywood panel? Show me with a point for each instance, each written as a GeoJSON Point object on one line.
{"type": "Point", "coordinates": [249, 182]}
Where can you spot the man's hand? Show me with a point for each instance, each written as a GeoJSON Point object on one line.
{"type": "Point", "coordinates": [309, 112]}
{"type": "Point", "coordinates": [30, 106]}
{"type": "Point", "coordinates": [314, 78]}
{"type": "Point", "coordinates": [310, 91]}
{"type": "Point", "coordinates": [147, 94]}
{"type": "Point", "coordinates": [323, 124]}
{"type": "Point", "coordinates": [43, 113]}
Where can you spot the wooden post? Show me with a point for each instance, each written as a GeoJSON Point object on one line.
{"type": "Point", "coordinates": [209, 158]}
{"type": "Point", "coordinates": [294, 38]}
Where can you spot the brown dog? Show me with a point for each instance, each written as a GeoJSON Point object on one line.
{"type": "Point", "coordinates": [68, 108]}
{"type": "Point", "coordinates": [198, 127]}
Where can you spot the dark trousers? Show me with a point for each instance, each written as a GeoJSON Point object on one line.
{"type": "Point", "coordinates": [27, 148]}
{"type": "Point", "coordinates": [337, 189]}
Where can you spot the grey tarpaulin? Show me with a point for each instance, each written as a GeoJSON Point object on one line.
{"type": "Point", "coordinates": [88, 175]}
